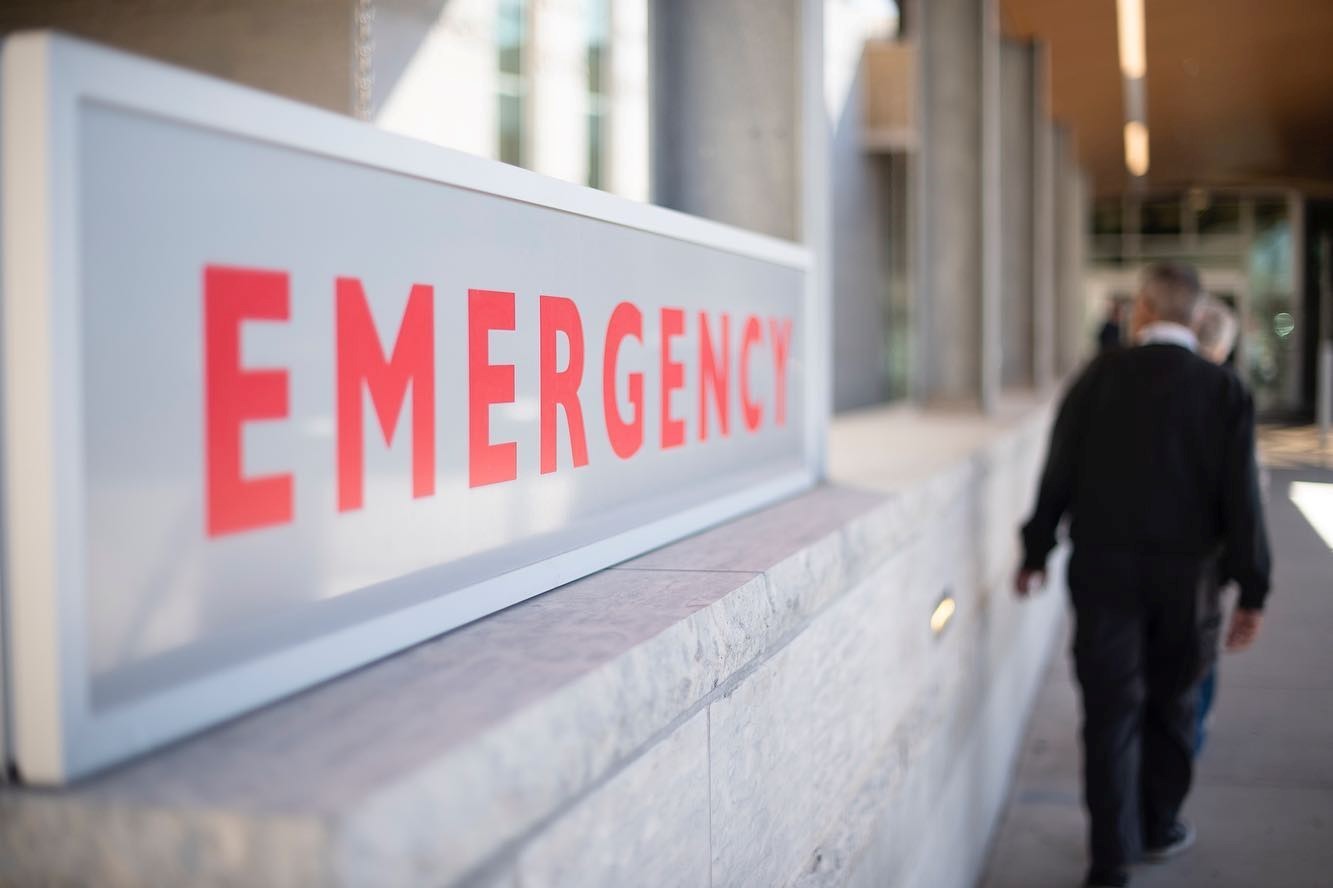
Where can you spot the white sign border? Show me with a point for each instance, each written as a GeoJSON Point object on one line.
{"type": "Point", "coordinates": [53, 733]}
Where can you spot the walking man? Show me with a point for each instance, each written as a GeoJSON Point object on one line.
{"type": "Point", "coordinates": [1152, 459]}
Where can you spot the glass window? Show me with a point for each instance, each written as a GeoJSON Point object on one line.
{"type": "Point", "coordinates": [1272, 330]}
{"type": "Point", "coordinates": [511, 39]}
{"type": "Point", "coordinates": [1160, 216]}
{"type": "Point", "coordinates": [1271, 254]}
{"type": "Point", "coordinates": [1269, 213]}
{"type": "Point", "coordinates": [598, 16]}
{"type": "Point", "coordinates": [898, 351]}
{"type": "Point", "coordinates": [1219, 214]}
{"type": "Point", "coordinates": [1108, 216]}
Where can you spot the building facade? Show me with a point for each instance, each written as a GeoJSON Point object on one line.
{"type": "Point", "coordinates": [828, 691]}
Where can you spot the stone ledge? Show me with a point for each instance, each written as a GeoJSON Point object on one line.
{"type": "Point", "coordinates": [451, 760]}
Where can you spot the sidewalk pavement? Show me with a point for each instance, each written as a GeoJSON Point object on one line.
{"type": "Point", "coordinates": [1263, 793]}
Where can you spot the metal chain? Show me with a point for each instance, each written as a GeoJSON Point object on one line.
{"type": "Point", "coordinates": [365, 57]}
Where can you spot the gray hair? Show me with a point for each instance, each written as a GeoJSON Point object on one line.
{"type": "Point", "coordinates": [1216, 326]}
{"type": "Point", "coordinates": [1172, 291]}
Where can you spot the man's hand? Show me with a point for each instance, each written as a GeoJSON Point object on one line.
{"type": "Point", "coordinates": [1244, 628]}
{"type": "Point", "coordinates": [1026, 579]}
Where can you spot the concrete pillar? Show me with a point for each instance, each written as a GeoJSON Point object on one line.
{"type": "Point", "coordinates": [864, 251]}
{"type": "Point", "coordinates": [1072, 339]}
{"type": "Point", "coordinates": [725, 123]}
{"type": "Point", "coordinates": [1043, 224]}
{"type": "Point", "coordinates": [958, 256]}
{"type": "Point", "coordinates": [1018, 234]}
{"type": "Point", "coordinates": [1080, 223]}
{"type": "Point", "coordinates": [992, 205]}
{"type": "Point", "coordinates": [739, 134]}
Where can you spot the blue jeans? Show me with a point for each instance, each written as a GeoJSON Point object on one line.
{"type": "Point", "coordinates": [1207, 691]}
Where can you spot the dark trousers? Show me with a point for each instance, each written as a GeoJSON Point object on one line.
{"type": "Point", "coordinates": [1146, 631]}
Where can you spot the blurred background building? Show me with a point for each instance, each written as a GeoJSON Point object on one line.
{"type": "Point", "coordinates": [951, 167]}
{"type": "Point", "coordinates": [696, 106]}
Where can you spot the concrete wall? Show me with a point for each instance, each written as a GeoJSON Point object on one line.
{"type": "Point", "coordinates": [302, 49]}
{"type": "Point", "coordinates": [763, 704]}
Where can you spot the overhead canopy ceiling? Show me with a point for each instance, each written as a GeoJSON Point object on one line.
{"type": "Point", "coordinates": [1238, 91]}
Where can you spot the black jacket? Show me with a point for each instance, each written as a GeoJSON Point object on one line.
{"type": "Point", "coordinates": [1153, 452]}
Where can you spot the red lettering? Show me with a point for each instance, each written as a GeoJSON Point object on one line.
{"type": "Point", "coordinates": [673, 377]}
{"type": "Point", "coordinates": [233, 396]}
{"type": "Point", "coordinates": [780, 330]}
{"type": "Point", "coordinates": [754, 412]}
{"type": "Point", "coordinates": [713, 375]}
{"type": "Point", "coordinates": [361, 361]}
{"type": "Point", "coordinates": [561, 315]}
{"type": "Point", "coordinates": [488, 384]}
{"type": "Point", "coordinates": [626, 437]}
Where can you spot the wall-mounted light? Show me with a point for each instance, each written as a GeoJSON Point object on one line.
{"type": "Point", "coordinates": [1133, 55]}
{"type": "Point", "coordinates": [1136, 147]}
{"type": "Point", "coordinates": [942, 614]}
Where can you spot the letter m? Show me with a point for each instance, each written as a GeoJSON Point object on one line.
{"type": "Point", "coordinates": [361, 361]}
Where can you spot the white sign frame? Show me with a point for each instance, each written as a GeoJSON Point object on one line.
{"type": "Point", "coordinates": [52, 734]}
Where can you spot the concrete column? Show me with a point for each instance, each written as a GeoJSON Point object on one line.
{"type": "Point", "coordinates": [861, 194]}
{"type": "Point", "coordinates": [1043, 224]}
{"type": "Point", "coordinates": [739, 134]}
{"type": "Point", "coordinates": [958, 268]}
{"type": "Point", "coordinates": [992, 204]}
{"type": "Point", "coordinates": [1072, 340]}
{"type": "Point", "coordinates": [725, 119]}
{"type": "Point", "coordinates": [1018, 233]}
{"type": "Point", "coordinates": [1080, 224]}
